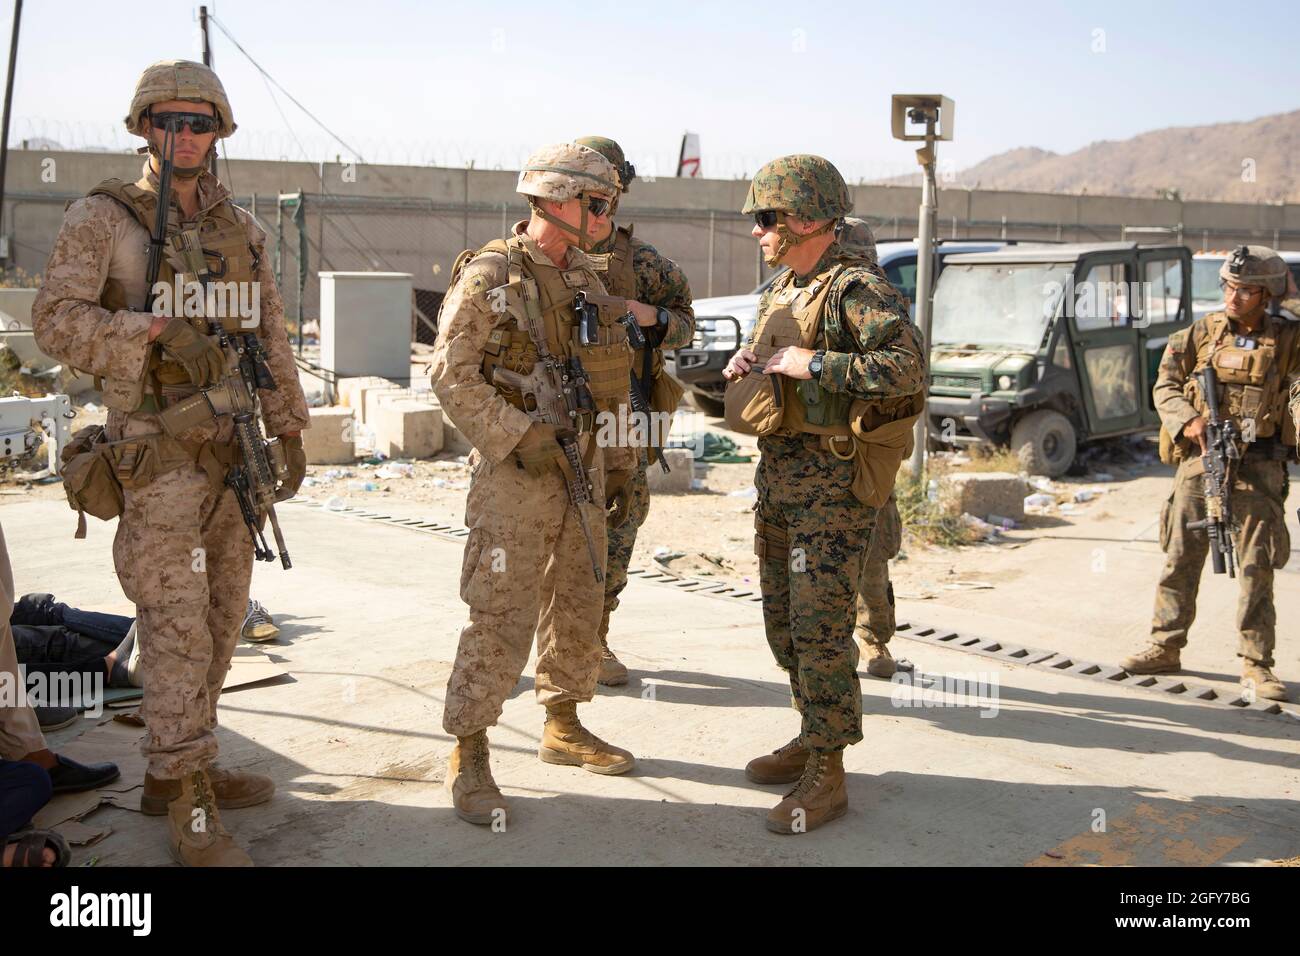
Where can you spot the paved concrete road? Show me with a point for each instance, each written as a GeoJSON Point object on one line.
{"type": "Point", "coordinates": [1054, 770]}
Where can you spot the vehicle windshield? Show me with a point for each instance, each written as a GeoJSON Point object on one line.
{"type": "Point", "coordinates": [998, 305]}
{"type": "Point", "coordinates": [1205, 281]}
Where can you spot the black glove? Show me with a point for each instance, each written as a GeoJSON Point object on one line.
{"type": "Point", "coordinates": [203, 359]}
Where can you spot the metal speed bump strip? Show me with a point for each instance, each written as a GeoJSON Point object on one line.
{"type": "Point", "coordinates": [969, 643]}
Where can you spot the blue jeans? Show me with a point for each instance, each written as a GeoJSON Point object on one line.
{"type": "Point", "coordinates": [24, 789]}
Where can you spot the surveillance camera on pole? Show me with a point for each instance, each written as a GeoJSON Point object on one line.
{"type": "Point", "coordinates": [928, 118]}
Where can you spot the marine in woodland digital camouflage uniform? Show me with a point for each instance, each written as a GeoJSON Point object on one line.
{"type": "Point", "coordinates": [182, 551]}
{"type": "Point", "coordinates": [526, 568]}
{"type": "Point", "coordinates": [656, 281]}
{"type": "Point", "coordinates": [1257, 358]}
{"type": "Point", "coordinates": [875, 603]}
{"type": "Point", "coordinates": [814, 529]}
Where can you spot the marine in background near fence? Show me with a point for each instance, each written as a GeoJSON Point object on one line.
{"type": "Point", "coordinates": [523, 374]}
{"type": "Point", "coordinates": [182, 550]}
{"type": "Point", "coordinates": [1254, 353]}
{"type": "Point", "coordinates": [832, 381]}
{"type": "Point", "coordinates": [659, 297]}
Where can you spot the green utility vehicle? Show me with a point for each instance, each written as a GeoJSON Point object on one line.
{"type": "Point", "coordinates": [1046, 347]}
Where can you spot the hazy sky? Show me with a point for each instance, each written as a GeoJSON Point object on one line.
{"type": "Point", "coordinates": [447, 83]}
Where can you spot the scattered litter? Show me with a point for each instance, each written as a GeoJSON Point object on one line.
{"type": "Point", "coordinates": [1067, 507]}
{"type": "Point", "coordinates": [396, 469]}
{"type": "Point", "coordinates": [1039, 500]}
{"type": "Point", "coordinates": [750, 492]}
{"type": "Point", "coordinates": [1041, 483]}
{"type": "Point", "coordinates": [336, 503]}
{"type": "Point", "coordinates": [932, 490]}
{"type": "Point", "coordinates": [967, 586]}
{"type": "Point", "coordinates": [331, 474]}
{"type": "Point", "coordinates": [378, 458]}
{"type": "Point", "coordinates": [979, 525]}
{"type": "Point", "coordinates": [1103, 476]}
{"type": "Point", "coordinates": [697, 484]}
{"type": "Point", "coordinates": [310, 482]}
{"type": "Point", "coordinates": [362, 486]}
{"type": "Point", "coordinates": [1002, 523]}
{"type": "Point", "coordinates": [90, 407]}
{"type": "Point", "coordinates": [1084, 494]}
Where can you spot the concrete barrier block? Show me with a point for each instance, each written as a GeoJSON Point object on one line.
{"type": "Point", "coordinates": [988, 493]}
{"type": "Point", "coordinates": [453, 440]}
{"type": "Point", "coordinates": [351, 391]}
{"type": "Point", "coordinates": [405, 428]}
{"type": "Point", "coordinates": [331, 439]}
{"type": "Point", "coordinates": [678, 480]}
{"type": "Point", "coordinates": [376, 395]}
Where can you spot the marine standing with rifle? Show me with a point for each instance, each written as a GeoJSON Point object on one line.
{"type": "Point", "coordinates": [831, 380]}
{"type": "Point", "coordinates": [659, 298]}
{"type": "Point", "coordinates": [1222, 395]}
{"type": "Point", "coordinates": [184, 444]}
{"type": "Point", "coordinates": [523, 372]}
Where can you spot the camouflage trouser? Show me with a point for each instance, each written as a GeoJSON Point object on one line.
{"type": "Point", "coordinates": [526, 570]}
{"type": "Point", "coordinates": [875, 591]}
{"type": "Point", "coordinates": [622, 540]}
{"type": "Point", "coordinates": [1262, 544]}
{"type": "Point", "coordinates": [184, 558]}
{"type": "Point", "coordinates": [813, 536]}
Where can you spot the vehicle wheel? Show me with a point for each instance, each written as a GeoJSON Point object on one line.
{"type": "Point", "coordinates": [1045, 442]}
{"type": "Point", "coordinates": [709, 406]}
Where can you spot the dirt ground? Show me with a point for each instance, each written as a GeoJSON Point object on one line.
{"type": "Point", "coordinates": [708, 533]}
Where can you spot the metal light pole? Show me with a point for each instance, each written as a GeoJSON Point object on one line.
{"type": "Point", "coordinates": [936, 114]}
{"type": "Point", "coordinates": [207, 61]}
{"type": "Point", "coordinates": [9, 98]}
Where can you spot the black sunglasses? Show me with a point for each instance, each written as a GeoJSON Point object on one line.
{"type": "Point", "coordinates": [765, 219]}
{"type": "Point", "coordinates": [597, 206]}
{"type": "Point", "coordinates": [198, 123]}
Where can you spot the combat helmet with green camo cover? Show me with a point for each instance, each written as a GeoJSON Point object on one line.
{"type": "Point", "coordinates": [801, 185]}
{"type": "Point", "coordinates": [856, 239]}
{"type": "Point", "coordinates": [1256, 266]}
{"type": "Point", "coordinates": [614, 153]}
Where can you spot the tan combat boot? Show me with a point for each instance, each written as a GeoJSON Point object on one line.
{"type": "Point", "coordinates": [474, 794]}
{"type": "Point", "coordinates": [1156, 659]}
{"type": "Point", "coordinates": [880, 663]}
{"type": "Point", "coordinates": [612, 671]}
{"type": "Point", "coordinates": [819, 797]}
{"type": "Point", "coordinates": [233, 789]}
{"type": "Point", "coordinates": [565, 741]}
{"type": "Point", "coordinates": [780, 766]}
{"type": "Point", "coordinates": [1262, 681]}
{"type": "Point", "coordinates": [195, 834]}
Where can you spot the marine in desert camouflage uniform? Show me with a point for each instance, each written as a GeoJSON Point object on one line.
{"type": "Point", "coordinates": [813, 527]}
{"type": "Point", "coordinates": [182, 550]}
{"type": "Point", "coordinates": [527, 568]}
{"type": "Point", "coordinates": [1256, 355]}
{"type": "Point", "coordinates": [660, 298]}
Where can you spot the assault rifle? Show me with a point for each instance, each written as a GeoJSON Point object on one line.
{"type": "Point", "coordinates": [587, 306]}
{"type": "Point", "coordinates": [557, 392]}
{"type": "Point", "coordinates": [261, 465]}
{"type": "Point", "coordinates": [1220, 455]}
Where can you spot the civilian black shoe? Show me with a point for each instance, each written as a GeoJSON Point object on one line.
{"type": "Point", "coordinates": [35, 610]}
{"type": "Point", "coordinates": [70, 776]}
{"type": "Point", "coordinates": [56, 718]}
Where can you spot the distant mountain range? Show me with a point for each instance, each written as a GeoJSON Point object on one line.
{"type": "Point", "coordinates": [1253, 161]}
